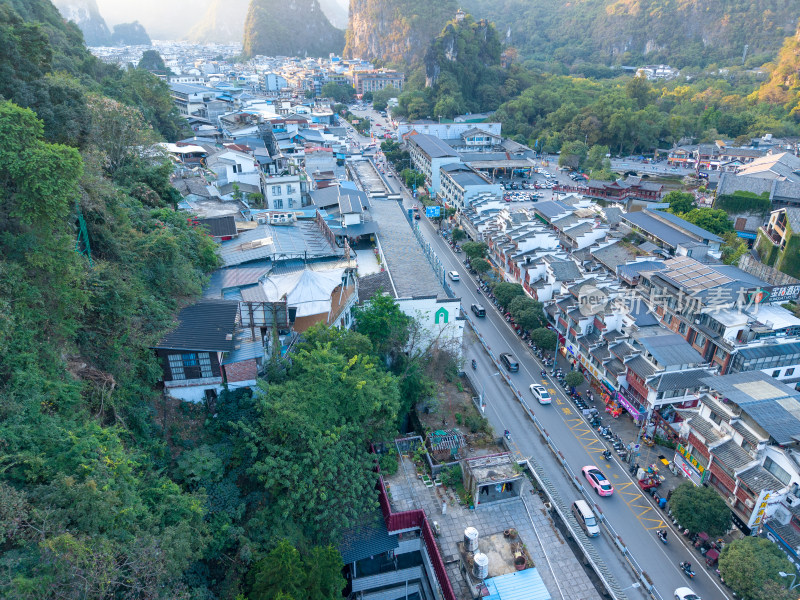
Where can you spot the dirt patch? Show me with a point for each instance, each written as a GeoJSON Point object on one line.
{"type": "Point", "coordinates": [452, 408]}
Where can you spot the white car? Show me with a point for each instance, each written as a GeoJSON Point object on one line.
{"type": "Point", "coordinates": [684, 593]}
{"type": "Point", "coordinates": [453, 275]}
{"type": "Point", "coordinates": [540, 393]}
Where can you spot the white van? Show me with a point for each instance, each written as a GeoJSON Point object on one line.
{"type": "Point", "coordinates": [585, 517]}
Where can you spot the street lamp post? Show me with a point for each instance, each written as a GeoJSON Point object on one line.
{"type": "Point", "coordinates": [794, 578]}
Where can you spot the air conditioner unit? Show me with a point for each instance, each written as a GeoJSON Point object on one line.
{"type": "Point", "coordinates": [262, 221]}
{"type": "Point", "coordinates": [792, 500]}
{"type": "Point", "coordinates": [749, 503]}
{"type": "Point", "coordinates": [732, 500]}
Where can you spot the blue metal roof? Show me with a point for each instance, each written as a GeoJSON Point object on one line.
{"type": "Point", "coordinates": [520, 585]}
{"type": "Point", "coordinates": [666, 233]}
{"type": "Point", "coordinates": [690, 227]}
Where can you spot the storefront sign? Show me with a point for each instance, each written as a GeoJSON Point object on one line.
{"type": "Point", "coordinates": [609, 388]}
{"type": "Point", "coordinates": [688, 470]}
{"type": "Point", "coordinates": [628, 406]}
{"type": "Point", "coordinates": [759, 513]}
{"type": "Point", "coordinates": [570, 349]}
{"type": "Point", "coordinates": [691, 459]}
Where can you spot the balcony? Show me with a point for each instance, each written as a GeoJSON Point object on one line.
{"type": "Point", "coordinates": [772, 235]}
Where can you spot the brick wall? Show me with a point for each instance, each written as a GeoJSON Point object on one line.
{"type": "Point", "coordinates": [245, 370]}
{"type": "Point", "coordinates": [725, 479]}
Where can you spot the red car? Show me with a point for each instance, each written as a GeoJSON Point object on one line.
{"type": "Point", "coordinates": [597, 480]}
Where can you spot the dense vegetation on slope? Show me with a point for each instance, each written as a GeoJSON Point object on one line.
{"type": "Point", "coordinates": [784, 84]}
{"type": "Point", "coordinates": [300, 28]}
{"type": "Point", "coordinates": [85, 509]}
{"type": "Point", "coordinates": [460, 73]}
{"type": "Point", "coordinates": [634, 32]}
{"type": "Point", "coordinates": [633, 115]}
{"type": "Point", "coordinates": [395, 31]}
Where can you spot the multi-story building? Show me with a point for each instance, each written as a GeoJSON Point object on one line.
{"type": "Point", "coordinates": [721, 311]}
{"type": "Point", "coordinates": [428, 155]}
{"type": "Point", "coordinates": [283, 192]}
{"type": "Point", "coordinates": [675, 235]}
{"type": "Point", "coordinates": [273, 83]}
{"type": "Point", "coordinates": [373, 81]}
{"type": "Point", "coordinates": [742, 443]}
{"type": "Point", "coordinates": [778, 242]}
{"type": "Point", "coordinates": [460, 184]}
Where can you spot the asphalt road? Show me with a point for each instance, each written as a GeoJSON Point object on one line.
{"type": "Point", "coordinates": [630, 512]}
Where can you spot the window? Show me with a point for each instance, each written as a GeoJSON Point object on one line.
{"type": "Point", "coordinates": [682, 328]}
{"type": "Point", "coordinates": [189, 360]}
{"type": "Point", "coordinates": [289, 189]}
{"type": "Point", "coordinates": [779, 472]}
{"type": "Point", "coordinates": [776, 373]}
{"type": "Point", "coordinates": [789, 372]}
{"type": "Point", "coordinates": [205, 364]}
{"type": "Point", "coordinates": [276, 190]}
{"type": "Point", "coordinates": [176, 366]}
{"type": "Point", "coordinates": [291, 203]}
{"type": "Point", "coordinates": [237, 168]}
{"type": "Point", "coordinates": [667, 318]}
{"type": "Point", "coordinates": [700, 340]}
{"type": "Point", "coordinates": [277, 203]}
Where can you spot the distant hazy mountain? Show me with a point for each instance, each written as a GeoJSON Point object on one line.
{"type": "Point", "coordinates": [130, 34]}
{"type": "Point", "coordinates": [163, 19]}
{"type": "Point", "coordinates": [86, 15]}
{"type": "Point", "coordinates": [222, 22]}
{"type": "Point", "coordinates": [336, 11]}
{"type": "Point", "coordinates": [290, 28]}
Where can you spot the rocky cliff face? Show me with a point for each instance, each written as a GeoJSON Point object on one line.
{"type": "Point", "coordinates": [395, 30]}
{"type": "Point", "coordinates": [222, 22]}
{"type": "Point", "coordinates": [677, 32]}
{"type": "Point", "coordinates": [86, 15]}
{"type": "Point", "coordinates": [290, 28]}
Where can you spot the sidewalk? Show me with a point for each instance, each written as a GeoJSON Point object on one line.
{"type": "Point", "coordinates": [628, 431]}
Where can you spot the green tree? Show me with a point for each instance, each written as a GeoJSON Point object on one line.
{"type": "Point", "coordinates": [680, 203]}
{"type": "Point", "coordinates": [481, 265]}
{"type": "Point", "coordinates": [700, 509]}
{"type": "Point", "coordinates": [382, 321]}
{"type": "Point", "coordinates": [338, 92]}
{"type": "Point", "coordinates": [573, 155]}
{"type": "Point", "coordinates": [458, 234]}
{"type": "Point", "coordinates": [412, 178]}
{"type": "Point", "coordinates": [640, 90]}
{"type": "Point", "coordinates": [280, 572]}
{"type": "Point", "coordinates": [596, 159]}
{"type": "Point", "coordinates": [750, 567]}
{"type": "Point", "coordinates": [380, 98]}
{"type": "Point", "coordinates": [544, 338]}
{"type": "Point", "coordinates": [366, 96]}
{"type": "Point", "coordinates": [151, 61]}
{"type": "Point", "coordinates": [505, 292]}
{"type": "Point", "coordinates": [714, 220]}
{"type": "Point", "coordinates": [475, 250]}
{"type": "Point", "coordinates": [574, 378]}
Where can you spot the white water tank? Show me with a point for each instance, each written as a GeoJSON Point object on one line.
{"type": "Point", "coordinates": [480, 568]}
{"type": "Point", "coordinates": [471, 539]}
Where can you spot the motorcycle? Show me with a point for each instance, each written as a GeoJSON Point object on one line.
{"type": "Point", "coordinates": [662, 535]}
{"type": "Point", "coordinates": [507, 435]}
{"type": "Point", "coordinates": [607, 455]}
{"type": "Point", "coordinates": [544, 374]}
{"type": "Point", "coordinates": [686, 567]}
{"type": "Point", "coordinates": [474, 364]}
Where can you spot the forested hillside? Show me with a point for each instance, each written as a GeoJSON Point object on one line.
{"type": "Point", "coordinates": [85, 508]}
{"type": "Point", "coordinates": [632, 32]}
{"type": "Point", "coordinates": [299, 28]}
{"type": "Point", "coordinates": [634, 115]}
{"type": "Point", "coordinates": [784, 85]}
{"type": "Point", "coordinates": [461, 72]}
